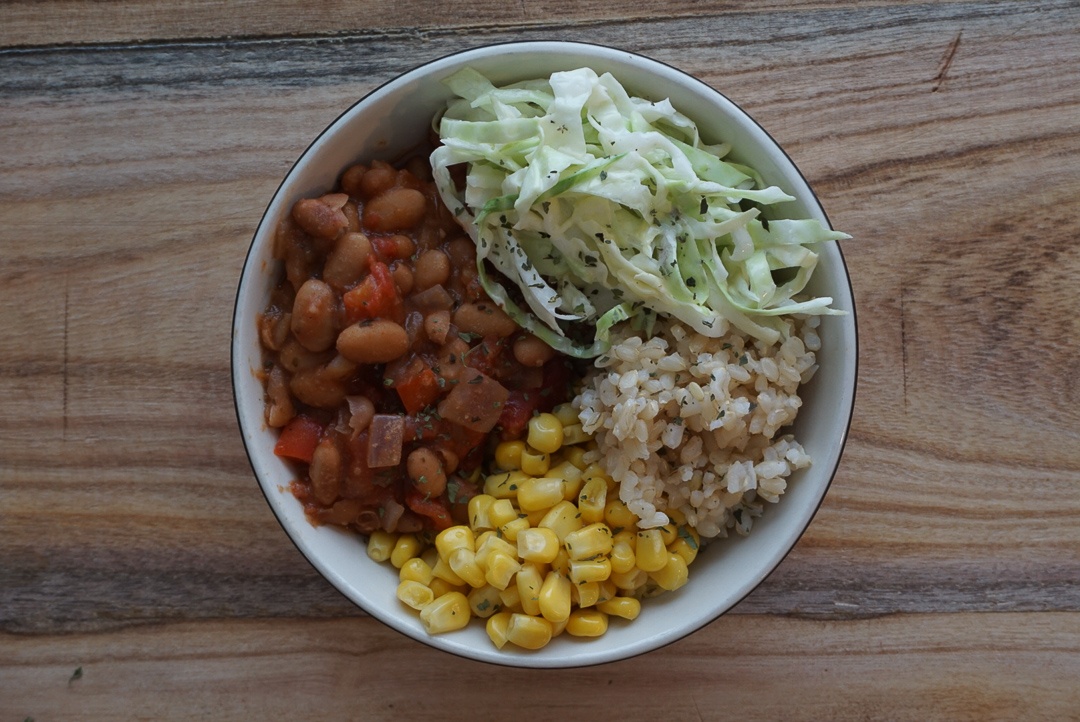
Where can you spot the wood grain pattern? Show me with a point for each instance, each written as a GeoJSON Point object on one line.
{"type": "Point", "coordinates": [928, 667]}
{"type": "Point", "coordinates": [31, 22]}
{"type": "Point", "coordinates": [138, 155]}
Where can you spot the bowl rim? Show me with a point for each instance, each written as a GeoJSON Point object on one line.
{"type": "Point", "coordinates": [494, 657]}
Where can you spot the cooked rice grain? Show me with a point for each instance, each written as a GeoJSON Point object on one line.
{"type": "Point", "coordinates": [688, 422]}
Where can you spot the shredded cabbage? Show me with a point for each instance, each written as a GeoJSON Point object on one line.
{"type": "Point", "coordinates": [601, 207]}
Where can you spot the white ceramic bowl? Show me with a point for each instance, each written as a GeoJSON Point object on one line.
{"type": "Point", "coordinates": [387, 123]}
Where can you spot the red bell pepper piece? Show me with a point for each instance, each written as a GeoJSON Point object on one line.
{"type": "Point", "coordinates": [435, 509]}
{"type": "Point", "coordinates": [418, 390]}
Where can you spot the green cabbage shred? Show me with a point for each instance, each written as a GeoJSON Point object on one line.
{"type": "Point", "coordinates": [601, 207]}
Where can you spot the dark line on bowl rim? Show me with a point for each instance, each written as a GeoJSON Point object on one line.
{"type": "Point", "coordinates": [429, 642]}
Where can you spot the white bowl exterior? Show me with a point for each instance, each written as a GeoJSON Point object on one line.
{"type": "Point", "coordinates": [386, 124]}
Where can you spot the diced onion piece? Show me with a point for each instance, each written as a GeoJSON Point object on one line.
{"type": "Point", "coordinates": [387, 435]}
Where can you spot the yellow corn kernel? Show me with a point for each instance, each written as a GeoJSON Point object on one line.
{"type": "Point", "coordinates": [541, 492]}
{"type": "Point", "coordinates": [557, 628]}
{"type": "Point", "coordinates": [631, 580]}
{"type": "Point", "coordinates": [685, 547]}
{"type": "Point", "coordinates": [416, 570]}
{"type": "Point", "coordinates": [575, 455]}
{"type": "Point", "coordinates": [535, 463]}
{"type": "Point", "coordinates": [484, 601]}
{"type": "Point", "coordinates": [618, 516]}
{"type": "Point", "coordinates": [502, 512]}
{"type": "Point", "coordinates": [566, 414]}
{"type": "Point", "coordinates": [592, 499]}
{"type": "Point", "coordinates": [574, 434]}
{"type": "Point", "coordinates": [587, 623]}
{"type": "Point", "coordinates": [591, 570]}
{"type": "Point", "coordinates": [537, 545]}
{"type": "Point", "coordinates": [529, 581]}
{"type": "Point", "coordinates": [440, 587]}
{"type": "Point", "coordinates": [528, 632]}
{"type": "Point", "coordinates": [479, 506]}
{"type": "Point", "coordinates": [408, 546]}
{"type": "Point", "coordinates": [463, 562]}
{"type": "Point", "coordinates": [608, 590]}
{"type": "Point", "coordinates": [415, 594]}
{"type": "Point", "coordinates": [511, 529]}
{"type": "Point", "coordinates": [555, 597]}
{"type": "Point", "coordinates": [430, 556]}
{"type": "Point", "coordinates": [585, 594]}
{"type": "Point", "coordinates": [622, 556]}
{"type": "Point", "coordinates": [511, 598]}
{"type": "Point", "coordinates": [505, 485]}
{"type": "Point", "coordinates": [625, 607]}
{"type": "Point", "coordinates": [491, 544]}
{"type": "Point", "coordinates": [561, 562]}
{"type": "Point", "coordinates": [496, 628]}
{"type": "Point", "coordinates": [501, 568]}
{"type": "Point", "coordinates": [446, 614]}
{"type": "Point", "coordinates": [676, 516]}
{"type": "Point", "coordinates": [588, 541]}
{"type": "Point", "coordinates": [562, 519]}
{"type": "Point", "coordinates": [380, 545]}
{"type": "Point", "coordinates": [455, 537]}
{"type": "Point", "coordinates": [594, 470]}
{"type": "Point", "coordinates": [673, 575]}
{"type": "Point", "coordinates": [535, 517]}
{"type": "Point", "coordinates": [483, 537]}
{"type": "Point", "coordinates": [651, 553]}
{"type": "Point", "coordinates": [570, 477]}
{"type": "Point", "coordinates": [508, 455]}
{"type": "Point", "coordinates": [668, 532]}
{"type": "Point", "coordinates": [443, 570]}
{"type": "Point", "coordinates": [545, 433]}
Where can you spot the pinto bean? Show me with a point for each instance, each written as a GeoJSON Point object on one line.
{"type": "Point", "coordinates": [352, 214]}
{"type": "Point", "coordinates": [352, 178]}
{"type": "Point", "coordinates": [531, 351]}
{"type": "Point", "coordinates": [462, 252]}
{"type": "Point", "coordinates": [313, 313]}
{"type": "Point", "coordinates": [451, 362]}
{"type": "Point", "coordinates": [397, 209]}
{"type": "Point", "coordinates": [279, 405]}
{"type": "Point", "coordinates": [437, 325]}
{"type": "Point", "coordinates": [426, 470]}
{"type": "Point", "coordinates": [320, 218]}
{"type": "Point", "coordinates": [378, 179]}
{"type": "Point", "coordinates": [403, 278]}
{"type": "Point", "coordinates": [348, 261]}
{"type": "Point", "coordinates": [315, 387]}
{"type": "Point", "coordinates": [294, 357]}
{"type": "Point", "coordinates": [432, 269]}
{"type": "Point", "coordinates": [373, 342]}
{"type": "Point", "coordinates": [362, 410]}
{"type": "Point", "coordinates": [325, 471]}
{"type": "Point", "coordinates": [274, 328]}
{"type": "Point", "coordinates": [484, 318]}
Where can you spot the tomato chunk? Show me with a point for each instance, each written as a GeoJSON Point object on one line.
{"type": "Point", "coordinates": [299, 438]}
{"type": "Point", "coordinates": [374, 297]}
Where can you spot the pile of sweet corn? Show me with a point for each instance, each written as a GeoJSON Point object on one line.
{"type": "Point", "coordinates": [549, 547]}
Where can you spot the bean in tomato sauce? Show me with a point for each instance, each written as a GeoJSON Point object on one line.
{"type": "Point", "coordinates": [389, 372]}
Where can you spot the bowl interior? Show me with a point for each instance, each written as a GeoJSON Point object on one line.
{"type": "Point", "coordinates": [387, 124]}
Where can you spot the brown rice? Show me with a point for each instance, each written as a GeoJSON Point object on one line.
{"type": "Point", "coordinates": [688, 422]}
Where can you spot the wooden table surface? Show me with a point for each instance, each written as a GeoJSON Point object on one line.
{"type": "Point", "coordinates": [142, 574]}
